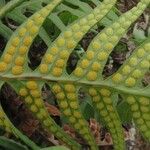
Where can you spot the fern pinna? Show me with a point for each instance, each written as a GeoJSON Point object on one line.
{"type": "Point", "coordinates": [127, 81]}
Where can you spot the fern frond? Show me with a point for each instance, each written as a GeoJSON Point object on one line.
{"type": "Point", "coordinates": [87, 75]}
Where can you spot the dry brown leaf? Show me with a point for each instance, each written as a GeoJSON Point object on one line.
{"type": "Point", "coordinates": [54, 111]}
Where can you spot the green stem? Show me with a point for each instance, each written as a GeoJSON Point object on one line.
{"type": "Point", "coordinates": [9, 6]}
{"type": "Point", "coordinates": [25, 139]}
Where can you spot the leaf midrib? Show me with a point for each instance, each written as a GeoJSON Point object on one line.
{"type": "Point", "coordinates": [104, 84]}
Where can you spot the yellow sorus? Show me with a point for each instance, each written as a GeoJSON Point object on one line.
{"type": "Point", "coordinates": [110, 108]}
{"type": "Point", "coordinates": [145, 64]}
{"type": "Point", "coordinates": [47, 122]}
{"type": "Point", "coordinates": [57, 72]}
{"type": "Point", "coordinates": [44, 12]}
{"type": "Point", "coordinates": [60, 96]}
{"type": "Point", "coordinates": [82, 122]}
{"type": "Point", "coordinates": [60, 63]}
{"type": "Point", "coordinates": [27, 41]}
{"type": "Point", "coordinates": [33, 108]}
{"type": "Point", "coordinates": [71, 96]}
{"type": "Point", "coordinates": [96, 45]}
{"type": "Point", "coordinates": [137, 73]}
{"type": "Point", "coordinates": [75, 27]}
{"type": "Point", "coordinates": [144, 109]}
{"type": "Point", "coordinates": [22, 31]}
{"type": "Point", "coordinates": [68, 34]}
{"type": "Point", "coordinates": [134, 107]}
{"type": "Point", "coordinates": [72, 119]}
{"type": "Point", "coordinates": [103, 37]}
{"type": "Point", "coordinates": [23, 50]}
{"type": "Point", "coordinates": [109, 31]}
{"type": "Point", "coordinates": [126, 70]}
{"type": "Point", "coordinates": [116, 25]}
{"type": "Point", "coordinates": [43, 68]}
{"type": "Point", "coordinates": [61, 42]}
{"type": "Point", "coordinates": [78, 35]}
{"type": "Point", "coordinates": [92, 22]}
{"type": "Point", "coordinates": [67, 112]}
{"type": "Point", "coordinates": [71, 44]}
{"type": "Point", "coordinates": [17, 70]}
{"type": "Point", "coordinates": [93, 92]}
{"type": "Point", "coordinates": [7, 58]}
{"type": "Point", "coordinates": [43, 113]}
{"type": "Point", "coordinates": [96, 66]}
{"type": "Point", "coordinates": [48, 58]}
{"type": "Point", "coordinates": [35, 93]}
{"type": "Point", "coordinates": [54, 50]}
{"type": "Point", "coordinates": [96, 11]}
{"type": "Point", "coordinates": [78, 72]}
{"type": "Point", "coordinates": [83, 21]}
{"type": "Point", "coordinates": [36, 16]}
{"type": "Point", "coordinates": [105, 92]}
{"type": "Point", "coordinates": [73, 105]}
{"type": "Point", "coordinates": [140, 53]}
{"type": "Point", "coordinates": [114, 39]}
{"type": "Point", "coordinates": [77, 126]}
{"type": "Point", "coordinates": [147, 47]}
{"type": "Point", "coordinates": [96, 99]}
{"type": "Point", "coordinates": [56, 88]}
{"type": "Point", "coordinates": [28, 100]}
{"type": "Point", "coordinates": [77, 114]}
{"type": "Point", "coordinates": [33, 30]}
{"type": "Point", "coordinates": [23, 92]}
{"type": "Point", "coordinates": [143, 128]}
{"type": "Point", "coordinates": [109, 47]}
{"type": "Point", "coordinates": [63, 104]}
{"type": "Point", "coordinates": [92, 75]}
{"type": "Point", "coordinates": [32, 85]}
{"type": "Point", "coordinates": [144, 101]}
{"type": "Point", "coordinates": [131, 100]}
{"type": "Point", "coordinates": [29, 24]}
{"type": "Point", "coordinates": [50, 6]}
{"type": "Point", "coordinates": [104, 113]}
{"type": "Point", "coordinates": [19, 61]}
{"type": "Point", "coordinates": [91, 16]}
{"type": "Point", "coordinates": [84, 63]}
{"type": "Point", "coordinates": [38, 102]}
{"type": "Point", "coordinates": [11, 50]}
{"type": "Point", "coordinates": [133, 61]}
{"type": "Point", "coordinates": [140, 121]}
{"type": "Point", "coordinates": [64, 54]}
{"type": "Point", "coordinates": [120, 31]}
{"type": "Point", "coordinates": [117, 77]}
{"type": "Point", "coordinates": [85, 28]}
{"type": "Point", "coordinates": [39, 21]}
{"type": "Point", "coordinates": [130, 82]}
{"type": "Point", "coordinates": [107, 100]}
{"type": "Point", "coordinates": [15, 41]}
{"type": "Point", "coordinates": [90, 55]}
{"type": "Point", "coordinates": [102, 56]}
{"type": "Point", "coordinates": [146, 116]}
{"type": "Point", "coordinates": [70, 88]}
